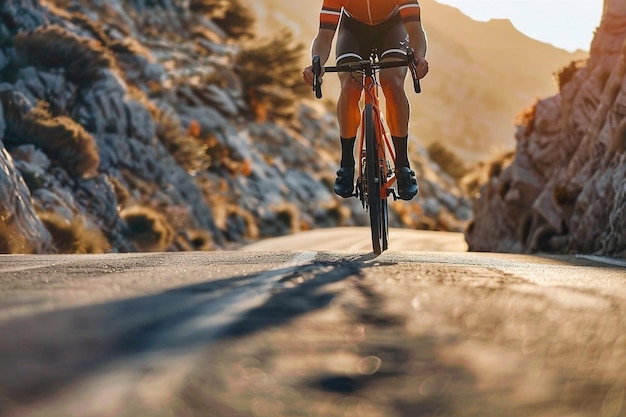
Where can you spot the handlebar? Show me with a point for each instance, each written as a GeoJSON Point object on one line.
{"type": "Point", "coordinates": [368, 67]}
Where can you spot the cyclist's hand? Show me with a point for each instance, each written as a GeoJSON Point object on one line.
{"type": "Point", "coordinates": [421, 67]}
{"type": "Point", "coordinates": [307, 75]}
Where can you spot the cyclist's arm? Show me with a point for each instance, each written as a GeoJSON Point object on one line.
{"type": "Point", "coordinates": [321, 47]}
{"type": "Point", "coordinates": [417, 41]}
{"type": "Point", "coordinates": [417, 38]}
{"type": "Point", "coordinates": [322, 44]}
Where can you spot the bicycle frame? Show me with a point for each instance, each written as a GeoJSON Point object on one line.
{"type": "Point", "coordinates": [375, 176]}
{"type": "Point", "coordinates": [383, 145]}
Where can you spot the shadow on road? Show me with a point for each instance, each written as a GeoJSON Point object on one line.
{"type": "Point", "coordinates": [399, 374]}
{"type": "Point", "coordinates": [42, 353]}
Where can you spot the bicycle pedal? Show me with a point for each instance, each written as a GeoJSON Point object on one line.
{"type": "Point", "coordinates": [392, 192]}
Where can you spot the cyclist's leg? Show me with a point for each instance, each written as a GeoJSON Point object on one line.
{"type": "Point", "coordinates": [393, 44]}
{"type": "Point", "coordinates": [396, 100]}
{"type": "Point", "coordinates": [349, 50]}
{"type": "Point", "coordinates": [397, 103]}
{"type": "Point", "coordinates": [397, 111]}
{"type": "Point", "coordinates": [348, 112]}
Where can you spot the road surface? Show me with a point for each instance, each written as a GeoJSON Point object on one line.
{"type": "Point", "coordinates": [358, 239]}
{"type": "Point", "coordinates": [312, 333]}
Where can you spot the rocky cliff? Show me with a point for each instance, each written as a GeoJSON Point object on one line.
{"type": "Point", "coordinates": [166, 125]}
{"type": "Point", "coordinates": [564, 188]}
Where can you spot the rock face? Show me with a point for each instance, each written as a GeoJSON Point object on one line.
{"type": "Point", "coordinates": [564, 190]}
{"type": "Point", "coordinates": [130, 125]}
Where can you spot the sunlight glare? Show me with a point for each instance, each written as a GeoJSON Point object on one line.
{"type": "Point", "coordinates": [566, 24]}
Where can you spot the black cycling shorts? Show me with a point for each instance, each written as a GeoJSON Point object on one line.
{"type": "Point", "coordinates": [355, 40]}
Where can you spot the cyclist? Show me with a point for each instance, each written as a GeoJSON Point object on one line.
{"type": "Point", "coordinates": [390, 26]}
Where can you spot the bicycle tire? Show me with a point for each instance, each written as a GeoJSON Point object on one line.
{"type": "Point", "coordinates": [385, 224]}
{"type": "Point", "coordinates": [377, 212]}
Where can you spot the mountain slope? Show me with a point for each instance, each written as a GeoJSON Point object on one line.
{"type": "Point", "coordinates": [152, 126]}
{"type": "Point", "coordinates": [482, 74]}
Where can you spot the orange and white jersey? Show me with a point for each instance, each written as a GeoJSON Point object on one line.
{"type": "Point", "coordinates": [371, 12]}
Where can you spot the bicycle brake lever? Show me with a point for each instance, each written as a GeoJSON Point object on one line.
{"type": "Point", "coordinates": [410, 56]}
{"type": "Point", "coordinates": [317, 70]}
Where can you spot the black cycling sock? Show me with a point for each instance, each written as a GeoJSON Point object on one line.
{"type": "Point", "coordinates": [401, 145]}
{"type": "Point", "coordinates": [347, 152]}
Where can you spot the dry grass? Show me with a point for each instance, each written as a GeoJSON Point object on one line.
{"type": "Point", "coordinates": [237, 21]}
{"type": "Point", "coordinates": [288, 215]}
{"type": "Point", "coordinates": [130, 46]}
{"type": "Point", "coordinates": [476, 177]}
{"type": "Point", "coordinates": [89, 25]}
{"type": "Point", "coordinates": [270, 76]}
{"type": "Point", "coordinates": [209, 7]}
{"type": "Point", "coordinates": [227, 214]}
{"type": "Point", "coordinates": [449, 162]}
{"type": "Point", "coordinates": [122, 195]}
{"type": "Point", "coordinates": [526, 118]}
{"type": "Point", "coordinates": [11, 240]}
{"type": "Point", "coordinates": [495, 169]}
{"type": "Point", "coordinates": [188, 151]}
{"type": "Point", "coordinates": [565, 74]}
{"type": "Point", "coordinates": [148, 228]}
{"type": "Point", "coordinates": [55, 47]}
{"type": "Point", "coordinates": [194, 240]}
{"type": "Point", "coordinates": [61, 138]}
{"type": "Point", "coordinates": [74, 236]}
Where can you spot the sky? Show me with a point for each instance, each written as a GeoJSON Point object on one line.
{"type": "Point", "coordinates": [566, 24]}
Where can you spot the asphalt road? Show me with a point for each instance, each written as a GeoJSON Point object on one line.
{"type": "Point", "coordinates": [312, 333]}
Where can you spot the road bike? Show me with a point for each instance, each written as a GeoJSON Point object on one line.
{"type": "Point", "coordinates": [375, 176]}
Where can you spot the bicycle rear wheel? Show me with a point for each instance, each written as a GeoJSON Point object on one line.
{"type": "Point", "coordinates": [377, 203]}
